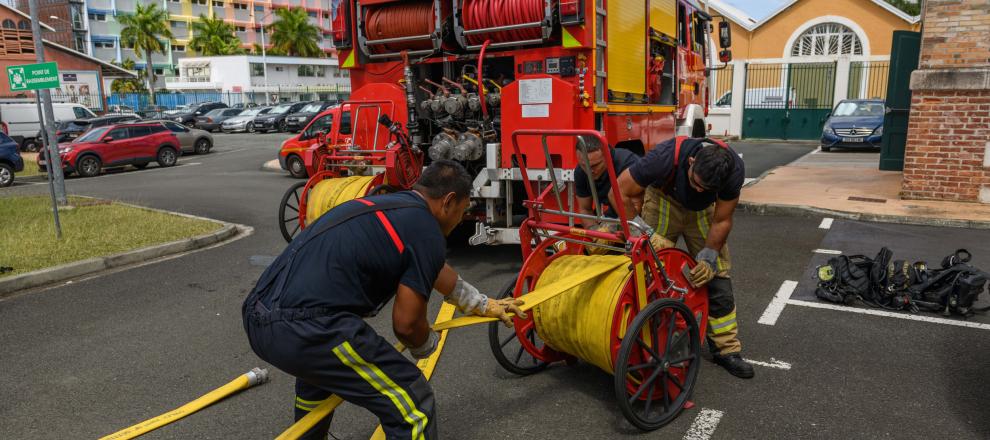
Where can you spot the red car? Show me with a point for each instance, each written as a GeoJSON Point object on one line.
{"type": "Point", "coordinates": [136, 144]}
{"type": "Point", "coordinates": [296, 153]}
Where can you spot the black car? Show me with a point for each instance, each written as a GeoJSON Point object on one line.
{"type": "Point", "coordinates": [211, 121]}
{"type": "Point", "coordinates": [66, 131]}
{"type": "Point", "coordinates": [298, 120]}
{"type": "Point", "coordinates": [275, 119]}
{"type": "Point", "coordinates": [189, 118]}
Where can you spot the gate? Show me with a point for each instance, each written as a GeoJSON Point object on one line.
{"type": "Point", "coordinates": [904, 54]}
{"type": "Point", "coordinates": [787, 101]}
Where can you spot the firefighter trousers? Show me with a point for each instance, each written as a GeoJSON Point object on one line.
{"type": "Point", "coordinates": [672, 220]}
{"type": "Point", "coordinates": [341, 354]}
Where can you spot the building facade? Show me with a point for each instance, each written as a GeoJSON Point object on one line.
{"type": "Point", "coordinates": [67, 17]}
{"type": "Point", "coordinates": [288, 78]}
{"type": "Point", "coordinates": [100, 30]}
{"type": "Point", "coordinates": [947, 156]}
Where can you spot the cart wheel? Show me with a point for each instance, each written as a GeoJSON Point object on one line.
{"type": "Point", "coordinates": [508, 351]}
{"type": "Point", "coordinates": [654, 379]}
{"type": "Point", "coordinates": [288, 212]}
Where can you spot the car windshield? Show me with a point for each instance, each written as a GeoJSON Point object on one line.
{"type": "Point", "coordinates": [280, 109]}
{"type": "Point", "coordinates": [216, 112]}
{"type": "Point", "coordinates": [92, 135]}
{"type": "Point", "coordinates": [859, 109]}
{"type": "Point", "coordinates": [251, 112]}
{"type": "Point", "coordinates": [312, 108]}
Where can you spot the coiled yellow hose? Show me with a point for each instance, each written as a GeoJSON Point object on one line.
{"type": "Point", "coordinates": [579, 321]}
{"type": "Point", "coordinates": [329, 193]}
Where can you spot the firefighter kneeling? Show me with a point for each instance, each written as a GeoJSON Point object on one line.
{"type": "Point", "coordinates": [304, 316]}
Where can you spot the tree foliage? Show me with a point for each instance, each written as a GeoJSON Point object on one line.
{"type": "Point", "coordinates": [294, 35]}
{"type": "Point", "coordinates": [911, 8]}
{"type": "Point", "coordinates": [213, 37]}
{"type": "Point", "coordinates": [126, 85]}
{"type": "Point", "coordinates": [147, 32]}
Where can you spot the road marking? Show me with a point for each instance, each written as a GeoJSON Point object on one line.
{"type": "Point", "coordinates": [704, 424]}
{"type": "Point", "coordinates": [826, 223]}
{"type": "Point", "coordinates": [228, 151]}
{"type": "Point", "coordinates": [889, 314]}
{"type": "Point", "coordinates": [827, 251]}
{"type": "Point", "coordinates": [748, 180]}
{"type": "Point", "coordinates": [780, 365]}
{"type": "Point", "coordinates": [776, 305]}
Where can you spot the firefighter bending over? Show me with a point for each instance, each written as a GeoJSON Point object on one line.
{"type": "Point", "coordinates": [689, 188]}
{"type": "Point", "coordinates": [305, 315]}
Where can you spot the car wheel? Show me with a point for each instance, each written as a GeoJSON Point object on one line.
{"type": "Point", "coordinates": [281, 127]}
{"type": "Point", "coordinates": [31, 145]}
{"type": "Point", "coordinates": [141, 166]}
{"type": "Point", "coordinates": [202, 146]}
{"type": "Point", "coordinates": [296, 167]}
{"type": "Point", "coordinates": [6, 175]}
{"type": "Point", "coordinates": [167, 157]}
{"type": "Point", "coordinates": [89, 166]}
{"type": "Point", "coordinates": [826, 148]}
{"type": "Point", "coordinates": [250, 127]}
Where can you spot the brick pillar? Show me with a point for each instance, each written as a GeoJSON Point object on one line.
{"type": "Point", "coordinates": [947, 156]}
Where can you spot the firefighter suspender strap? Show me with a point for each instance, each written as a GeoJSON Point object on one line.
{"type": "Point", "coordinates": [677, 155]}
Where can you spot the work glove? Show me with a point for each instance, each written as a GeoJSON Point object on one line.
{"type": "Point", "coordinates": [424, 351]}
{"type": "Point", "coordinates": [469, 300]}
{"type": "Point", "coordinates": [660, 242]}
{"type": "Point", "coordinates": [601, 227]}
{"type": "Point", "coordinates": [705, 270]}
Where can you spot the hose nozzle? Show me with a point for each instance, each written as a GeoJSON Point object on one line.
{"type": "Point", "coordinates": [257, 376]}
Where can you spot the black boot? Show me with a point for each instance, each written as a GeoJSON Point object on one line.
{"type": "Point", "coordinates": [734, 364]}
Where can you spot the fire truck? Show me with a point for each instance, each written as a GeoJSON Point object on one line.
{"type": "Point", "coordinates": [463, 75]}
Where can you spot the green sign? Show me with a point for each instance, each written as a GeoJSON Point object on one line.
{"type": "Point", "coordinates": [33, 76]}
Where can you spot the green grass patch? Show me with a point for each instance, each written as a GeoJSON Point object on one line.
{"type": "Point", "coordinates": [30, 169]}
{"type": "Point", "coordinates": [92, 228]}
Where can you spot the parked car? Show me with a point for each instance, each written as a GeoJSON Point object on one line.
{"type": "Point", "coordinates": [118, 145]}
{"type": "Point", "coordinates": [10, 160]}
{"type": "Point", "coordinates": [296, 155]}
{"type": "Point", "coordinates": [189, 117]}
{"type": "Point", "coordinates": [275, 119]}
{"type": "Point", "coordinates": [191, 140]}
{"type": "Point", "coordinates": [66, 131]}
{"type": "Point", "coordinates": [22, 120]}
{"type": "Point", "coordinates": [244, 105]}
{"type": "Point", "coordinates": [296, 121]}
{"type": "Point", "coordinates": [244, 121]}
{"type": "Point", "coordinates": [120, 108]}
{"type": "Point", "coordinates": [212, 120]}
{"type": "Point", "coordinates": [854, 123]}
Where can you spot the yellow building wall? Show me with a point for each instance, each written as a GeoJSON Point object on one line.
{"type": "Point", "coordinates": [770, 39]}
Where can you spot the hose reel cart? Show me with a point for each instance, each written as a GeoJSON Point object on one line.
{"type": "Point", "coordinates": [641, 322]}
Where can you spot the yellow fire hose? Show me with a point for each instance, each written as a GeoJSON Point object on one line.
{"type": "Point", "coordinates": [329, 193]}
{"type": "Point", "coordinates": [254, 377]}
{"type": "Point", "coordinates": [580, 270]}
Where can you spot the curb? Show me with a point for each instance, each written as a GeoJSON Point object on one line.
{"type": "Point", "coordinates": [804, 210]}
{"type": "Point", "coordinates": [272, 165]}
{"type": "Point", "coordinates": [52, 275]}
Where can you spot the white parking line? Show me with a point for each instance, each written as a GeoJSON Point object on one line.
{"type": "Point", "coordinates": [889, 314]}
{"type": "Point", "coordinates": [218, 153]}
{"type": "Point", "coordinates": [704, 424]}
{"type": "Point", "coordinates": [778, 302]}
{"type": "Point", "coordinates": [774, 363]}
{"type": "Point", "coordinates": [827, 251]}
{"type": "Point", "coordinates": [826, 223]}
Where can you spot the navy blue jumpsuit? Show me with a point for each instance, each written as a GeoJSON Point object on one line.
{"type": "Point", "coordinates": [305, 314]}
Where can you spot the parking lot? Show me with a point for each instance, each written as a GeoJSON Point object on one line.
{"type": "Point", "coordinates": [101, 353]}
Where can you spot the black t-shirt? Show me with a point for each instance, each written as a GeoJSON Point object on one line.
{"type": "Point", "coordinates": [356, 266]}
{"type": "Point", "coordinates": [621, 159]}
{"type": "Point", "coordinates": [656, 167]}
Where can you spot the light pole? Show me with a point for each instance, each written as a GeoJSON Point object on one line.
{"type": "Point", "coordinates": [264, 56]}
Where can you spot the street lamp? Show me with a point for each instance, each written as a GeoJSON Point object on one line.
{"type": "Point", "coordinates": [264, 56]}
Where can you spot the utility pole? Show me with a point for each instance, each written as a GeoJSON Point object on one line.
{"type": "Point", "coordinates": [45, 95]}
{"type": "Point", "coordinates": [264, 58]}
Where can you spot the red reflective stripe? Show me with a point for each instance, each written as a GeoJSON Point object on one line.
{"type": "Point", "coordinates": [391, 231]}
{"type": "Point", "coordinates": [388, 226]}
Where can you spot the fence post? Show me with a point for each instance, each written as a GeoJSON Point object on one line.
{"type": "Point", "coordinates": [738, 98]}
{"type": "Point", "coordinates": [842, 71]}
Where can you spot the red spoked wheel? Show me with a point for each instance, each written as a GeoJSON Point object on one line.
{"type": "Point", "coordinates": [658, 364]}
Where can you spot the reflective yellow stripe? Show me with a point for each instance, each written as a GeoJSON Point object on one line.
{"type": "Point", "coordinates": [309, 402]}
{"type": "Point", "coordinates": [664, 220]}
{"type": "Point", "coordinates": [727, 327]}
{"type": "Point", "coordinates": [726, 318]}
{"type": "Point", "coordinates": [381, 382]}
{"type": "Point", "coordinates": [303, 408]}
{"type": "Point", "coordinates": [704, 226]}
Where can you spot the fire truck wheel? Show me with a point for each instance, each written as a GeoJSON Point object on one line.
{"type": "Point", "coordinates": [296, 167]}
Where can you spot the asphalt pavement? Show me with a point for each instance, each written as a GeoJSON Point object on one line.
{"type": "Point", "coordinates": [85, 359]}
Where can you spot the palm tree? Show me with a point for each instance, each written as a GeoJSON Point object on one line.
{"type": "Point", "coordinates": [146, 31]}
{"type": "Point", "coordinates": [125, 85]}
{"type": "Point", "coordinates": [213, 36]}
{"type": "Point", "coordinates": [294, 35]}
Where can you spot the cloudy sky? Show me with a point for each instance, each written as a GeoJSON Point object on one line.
{"type": "Point", "coordinates": [756, 8]}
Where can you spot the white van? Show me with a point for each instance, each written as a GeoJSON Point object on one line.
{"type": "Point", "coordinates": [22, 119]}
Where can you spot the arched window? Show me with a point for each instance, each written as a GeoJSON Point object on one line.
{"type": "Point", "coordinates": [23, 24]}
{"type": "Point", "coordinates": [827, 39]}
{"type": "Point", "coordinates": [9, 24]}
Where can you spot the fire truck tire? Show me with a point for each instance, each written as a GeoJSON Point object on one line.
{"type": "Point", "coordinates": [296, 167]}
{"type": "Point", "coordinates": [698, 129]}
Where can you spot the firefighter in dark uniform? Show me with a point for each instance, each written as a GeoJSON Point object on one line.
{"type": "Point", "coordinates": [599, 183]}
{"type": "Point", "coordinates": [305, 315]}
{"type": "Point", "coordinates": [689, 188]}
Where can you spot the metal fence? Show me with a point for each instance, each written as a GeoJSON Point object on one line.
{"type": "Point", "coordinates": [868, 79]}
{"type": "Point", "coordinates": [721, 87]}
